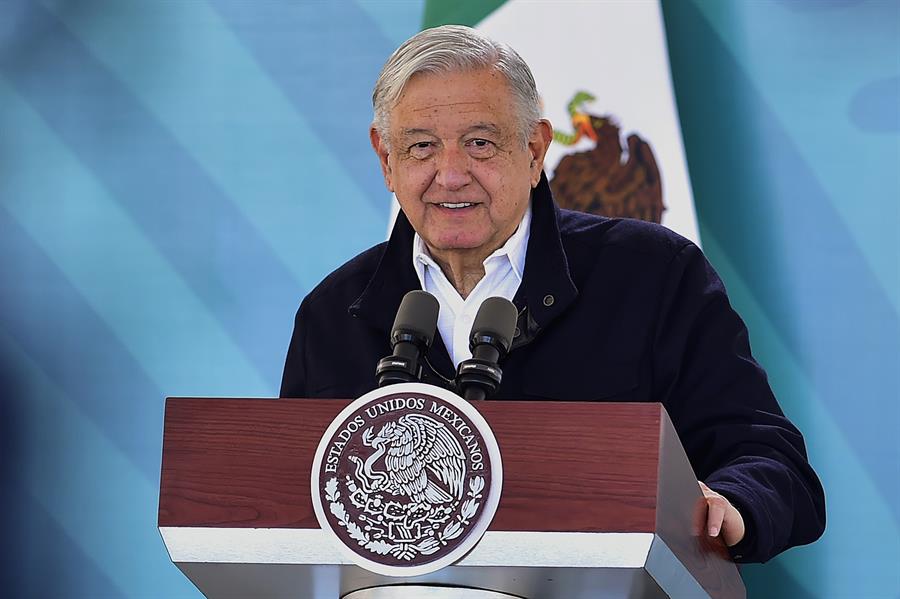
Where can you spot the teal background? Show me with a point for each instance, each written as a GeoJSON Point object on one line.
{"type": "Point", "coordinates": [790, 115]}
{"type": "Point", "coordinates": [176, 175]}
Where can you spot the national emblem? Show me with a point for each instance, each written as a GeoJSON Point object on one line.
{"type": "Point", "coordinates": [417, 494]}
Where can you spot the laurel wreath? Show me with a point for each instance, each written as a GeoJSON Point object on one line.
{"type": "Point", "coordinates": [406, 551]}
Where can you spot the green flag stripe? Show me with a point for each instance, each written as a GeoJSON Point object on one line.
{"type": "Point", "coordinates": [460, 12]}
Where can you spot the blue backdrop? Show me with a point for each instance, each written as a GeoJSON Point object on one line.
{"type": "Point", "coordinates": [176, 175]}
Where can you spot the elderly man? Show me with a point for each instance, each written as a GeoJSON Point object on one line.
{"type": "Point", "coordinates": [609, 309]}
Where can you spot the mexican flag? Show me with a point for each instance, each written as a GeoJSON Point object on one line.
{"type": "Point", "coordinates": [602, 70]}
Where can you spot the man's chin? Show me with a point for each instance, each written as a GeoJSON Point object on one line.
{"type": "Point", "coordinates": [464, 245]}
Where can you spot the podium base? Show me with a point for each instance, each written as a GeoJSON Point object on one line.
{"type": "Point", "coordinates": [418, 591]}
{"type": "Point", "coordinates": [236, 563]}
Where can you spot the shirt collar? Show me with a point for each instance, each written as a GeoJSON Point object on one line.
{"type": "Point", "coordinates": [514, 250]}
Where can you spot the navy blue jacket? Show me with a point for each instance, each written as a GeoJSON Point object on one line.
{"type": "Point", "coordinates": [609, 310]}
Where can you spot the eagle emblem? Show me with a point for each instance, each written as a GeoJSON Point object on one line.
{"type": "Point", "coordinates": [422, 460]}
{"type": "Point", "coordinates": [607, 177]}
{"type": "Point", "coordinates": [407, 482]}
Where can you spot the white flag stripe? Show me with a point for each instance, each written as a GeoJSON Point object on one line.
{"type": "Point", "coordinates": [616, 51]}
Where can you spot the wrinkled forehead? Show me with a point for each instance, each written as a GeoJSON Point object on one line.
{"type": "Point", "coordinates": [477, 98]}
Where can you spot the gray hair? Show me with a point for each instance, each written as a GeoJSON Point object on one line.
{"type": "Point", "coordinates": [454, 48]}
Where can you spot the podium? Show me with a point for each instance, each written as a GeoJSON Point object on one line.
{"type": "Point", "coordinates": [599, 500]}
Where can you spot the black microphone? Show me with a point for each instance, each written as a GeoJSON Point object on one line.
{"type": "Point", "coordinates": [492, 333]}
{"type": "Point", "coordinates": [411, 337]}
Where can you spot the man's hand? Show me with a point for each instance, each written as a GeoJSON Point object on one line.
{"type": "Point", "coordinates": [722, 517]}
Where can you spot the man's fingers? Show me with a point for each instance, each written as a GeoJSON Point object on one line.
{"type": "Point", "coordinates": [722, 517]}
{"type": "Point", "coordinates": [716, 515]}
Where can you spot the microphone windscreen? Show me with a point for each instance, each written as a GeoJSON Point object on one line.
{"type": "Point", "coordinates": [497, 317]}
{"type": "Point", "coordinates": [418, 313]}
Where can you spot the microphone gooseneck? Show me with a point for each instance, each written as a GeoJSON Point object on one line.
{"type": "Point", "coordinates": [411, 336]}
{"type": "Point", "coordinates": [495, 323]}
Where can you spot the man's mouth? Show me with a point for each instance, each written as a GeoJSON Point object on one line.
{"type": "Point", "coordinates": [455, 206]}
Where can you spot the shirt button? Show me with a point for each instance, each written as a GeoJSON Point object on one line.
{"type": "Point", "coordinates": [548, 300]}
{"type": "Point", "coordinates": [517, 333]}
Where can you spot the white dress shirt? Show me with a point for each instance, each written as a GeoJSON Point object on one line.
{"type": "Point", "coordinates": [503, 271]}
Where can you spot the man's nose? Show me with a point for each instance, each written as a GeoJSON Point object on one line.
{"type": "Point", "coordinates": [453, 169]}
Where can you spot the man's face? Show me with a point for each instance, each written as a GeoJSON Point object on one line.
{"type": "Point", "coordinates": [457, 162]}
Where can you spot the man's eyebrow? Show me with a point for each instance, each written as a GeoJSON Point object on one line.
{"type": "Point", "coordinates": [415, 131]}
{"type": "Point", "coordinates": [489, 127]}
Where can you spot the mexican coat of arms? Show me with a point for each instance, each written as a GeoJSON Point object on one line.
{"type": "Point", "coordinates": [407, 477]}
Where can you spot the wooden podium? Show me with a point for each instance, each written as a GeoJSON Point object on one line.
{"type": "Point", "coordinates": [598, 500]}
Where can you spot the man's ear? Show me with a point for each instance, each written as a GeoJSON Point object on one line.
{"type": "Point", "coordinates": [380, 147]}
{"type": "Point", "coordinates": [538, 144]}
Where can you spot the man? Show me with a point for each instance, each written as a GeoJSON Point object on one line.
{"type": "Point", "coordinates": [608, 309]}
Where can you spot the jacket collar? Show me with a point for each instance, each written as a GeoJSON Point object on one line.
{"type": "Point", "coordinates": [546, 291]}
{"type": "Point", "coordinates": [394, 277]}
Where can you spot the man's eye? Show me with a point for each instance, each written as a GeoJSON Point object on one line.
{"type": "Point", "coordinates": [481, 147]}
{"type": "Point", "coordinates": [421, 149]}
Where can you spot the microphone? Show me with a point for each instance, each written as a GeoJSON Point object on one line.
{"type": "Point", "coordinates": [411, 336]}
{"type": "Point", "coordinates": [492, 333]}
